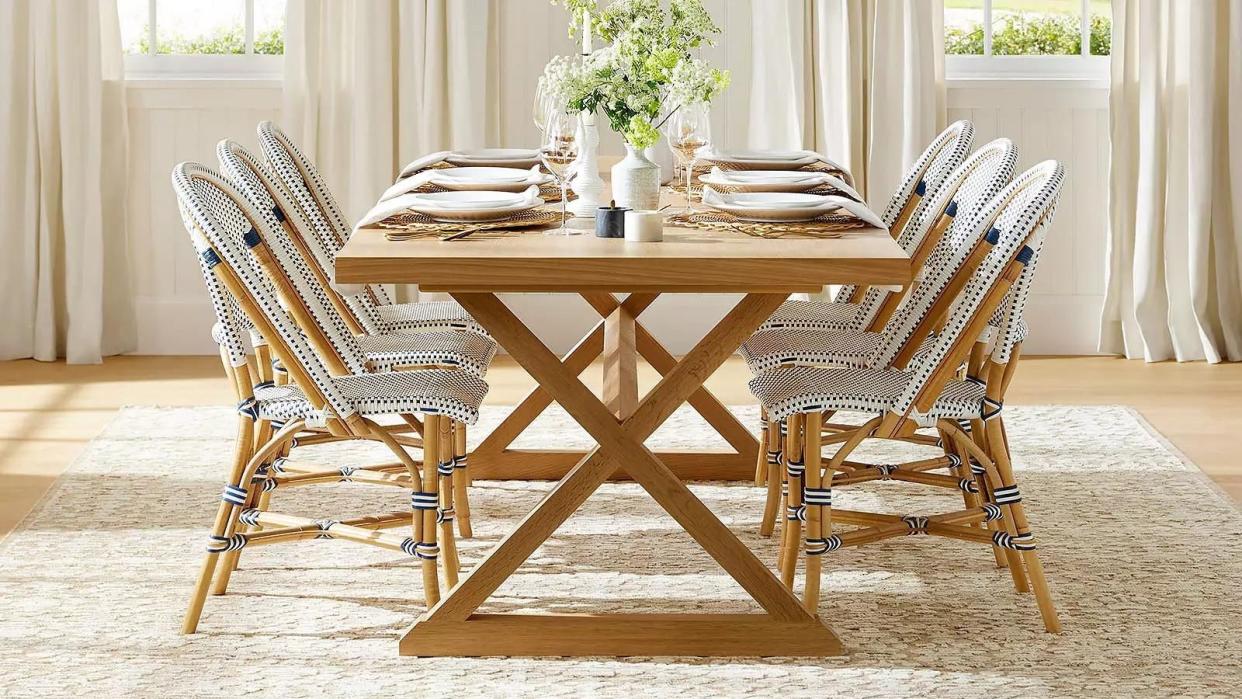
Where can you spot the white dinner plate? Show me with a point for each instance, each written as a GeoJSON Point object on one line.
{"type": "Point", "coordinates": [473, 215]}
{"type": "Point", "coordinates": [754, 180]}
{"type": "Point", "coordinates": [772, 200]}
{"type": "Point", "coordinates": [489, 178]}
{"type": "Point", "coordinates": [480, 174]}
{"type": "Point", "coordinates": [773, 155]}
{"type": "Point", "coordinates": [738, 162]}
{"type": "Point", "coordinates": [494, 157]}
{"type": "Point", "coordinates": [470, 200]}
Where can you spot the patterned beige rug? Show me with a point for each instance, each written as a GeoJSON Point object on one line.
{"type": "Point", "coordinates": [1144, 556]}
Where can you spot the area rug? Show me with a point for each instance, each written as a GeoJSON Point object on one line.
{"type": "Point", "coordinates": [1143, 554]}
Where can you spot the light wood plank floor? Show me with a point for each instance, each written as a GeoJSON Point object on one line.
{"type": "Point", "coordinates": [49, 411]}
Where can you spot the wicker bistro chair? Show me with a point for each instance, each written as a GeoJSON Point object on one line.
{"type": "Point", "coordinates": [925, 394]}
{"type": "Point", "coordinates": [919, 186]}
{"type": "Point", "coordinates": [385, 351]}
{"type": "Point", "coordinates": [939, 246]}
{"type": "Point", "coordinates": [229, 235]}
{"type": "Point", "coordinates": [390, 351]}
{"type": "Point", "coordinates": [974, 182]}
{"type": "Point", "coordinates": [371, 305]}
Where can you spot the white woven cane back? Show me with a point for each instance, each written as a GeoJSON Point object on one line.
{"type": "Point", "coordinates": [971, 225]}
{"type": "Point", "coordinates": [301, 178]}
{"type": "Point", "coordinates": [230, 323]}
{"type": "Point", "coordinates": [1016, 220]}
{"type": "Point", "coordinates": [924, 178]}
{"type": "Point", "coordinates": [219, 221]}
{"type": "Point", "coordinates": [984, 174]}
{"type": "Point", "coordinates": [302, 281]}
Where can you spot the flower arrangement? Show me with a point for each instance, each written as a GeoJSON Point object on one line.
{"type": "Point", "coordinates": [646, 70]}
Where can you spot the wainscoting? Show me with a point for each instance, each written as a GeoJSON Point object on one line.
{"type": "Point", "coordinates": [176, 120]}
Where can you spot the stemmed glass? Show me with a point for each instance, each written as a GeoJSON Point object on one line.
{"type": "Point", "coordinates": [541, 107]}
{"type": "Point", "coordinates": [558, 153]}
{"type": "Point", "coordinates": [688, 129]}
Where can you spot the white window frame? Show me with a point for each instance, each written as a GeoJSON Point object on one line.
{"type": "Point", "coordinates": [162, 66]}
{"type": "Point", "coordinates": [1083, 67]}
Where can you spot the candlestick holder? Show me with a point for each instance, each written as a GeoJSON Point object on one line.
{"type": "Point", "coordinates": [587, 183]}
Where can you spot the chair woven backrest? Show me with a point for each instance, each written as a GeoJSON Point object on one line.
{"type": "Point", "coordinates": [301, 179]}
{"type": "Point", "coordinates": [311, 294]}
{"type": "Point", "coordinates": [944, 155]}
{"type": "Point", "coordinates": [1015, 222]}
{"type": "Point", "coordinates": [974, 183]}
{"type": "Point", "coordinates": [222, 225]}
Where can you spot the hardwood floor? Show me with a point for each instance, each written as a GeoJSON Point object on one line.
{"type": "Point", "coordinates": [49, 411]}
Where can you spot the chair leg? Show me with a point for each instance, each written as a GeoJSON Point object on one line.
{"type": "Point", "coordinates": [461, 481]}
{"type": "Point", "coordinates": [424, 518]}
{"type": "Point", "coordinates": [771, 505]}
{"type": "Point", "coordinates": [761, 459]}
{"type": "Point", "coordinates": [447, 512]}
{"type": "Point", "coordinates": [818, 504]}
{"type": "Point", "coordinates": [1016, 514]}
{"type": "Point", "coordinates": [794, 513]}
{"type": "Point", "coordinates": [225, 516]}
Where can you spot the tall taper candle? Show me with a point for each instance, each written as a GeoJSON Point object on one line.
{"type": "Point", "coordinates": [586, 33]}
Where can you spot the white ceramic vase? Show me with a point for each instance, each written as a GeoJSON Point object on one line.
{"type": "Point", "coordinates": [661, 155]}
{"type": "Point", "coordinates": [636, 181]}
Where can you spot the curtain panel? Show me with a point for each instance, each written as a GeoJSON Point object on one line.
{"type": "Point", "coordinates": [63, 165]}
{"type": "Point", "coordinates": [861, 81]}
{"type": "Point", "coordinates": [372, 84]}
{"type": "Point", "coordinates": [1175, 181]}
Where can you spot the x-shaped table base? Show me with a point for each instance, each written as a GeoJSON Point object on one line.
{"type": "Point", "coordinates": [619, 423]}
{"type": "Point", "coordinates": [620, 339]}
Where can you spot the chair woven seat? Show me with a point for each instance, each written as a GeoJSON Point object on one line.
{"type": "Point", "coordinates": [391, 351]}
{"type": "Point", "coordinates": [417, 316]}
{"type": "Point", "coordinates": [452, 393]}
{"type": "Point", "coordinates": [801, 389]}
{"type": "Point", "coordinates": [829, 315]}
{"type": "Point", "coordinates": [769, 349]}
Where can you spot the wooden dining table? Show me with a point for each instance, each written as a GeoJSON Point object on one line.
{"type": "Point", "coordinates": [620, 280]}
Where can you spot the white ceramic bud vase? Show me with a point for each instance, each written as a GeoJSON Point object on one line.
{"type": "Point", "coordinates": [636, 181]}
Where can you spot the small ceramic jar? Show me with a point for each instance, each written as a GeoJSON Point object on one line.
{"type": "Point", "coordinates": [610, 221]}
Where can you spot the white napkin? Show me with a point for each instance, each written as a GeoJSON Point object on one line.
{"type": "Point", "coordinates": [423, 163]}
{"type": "Point", "coordinates": [413, 182]}
{"type": "Point", "coordinates": [823, 177]}
{"type": "Point", "coordinates": [405, 202]}
{"type": "Point", "coordinates": [832, 201]}
{"type": "Point", "coordinates": [807, 157]}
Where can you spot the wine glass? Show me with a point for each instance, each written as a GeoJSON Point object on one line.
{"type": "Point", "coordinates": [688, 129]}
{"type": "Point", "coordinates": [558, 153]}
{"type": "Point", "coordinates": [542, 105]}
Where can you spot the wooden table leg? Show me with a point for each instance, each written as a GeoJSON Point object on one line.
{"type": "Point", "coordinates": [620, 363]}
{"type": "Point", "coordinates": [494, 459]}
{"type": "Point", "coordinates": [453, 628]}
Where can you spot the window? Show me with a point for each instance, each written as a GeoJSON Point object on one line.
{"type": "Point", "coordinates": [1027, 38]}
{"type": "Point", "coordinates": [202, 38]}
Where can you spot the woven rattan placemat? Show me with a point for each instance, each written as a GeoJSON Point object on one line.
{"type": "Point", "coordinates": [411, 225]}
{"type": "Point", "coordinates": [826, 226]}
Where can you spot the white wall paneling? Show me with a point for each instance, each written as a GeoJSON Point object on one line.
{"type": "Point", "coordinates": [171, 121]}
{"type": "Point", "coordinates": [177, 120]}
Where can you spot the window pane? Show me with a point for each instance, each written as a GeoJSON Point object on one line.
{"type": "Point", "coordinates": [1101, 28]}
{"type": "Point", "coordinates": [1036, 27]}
{"type": "Point", "coordinates": [201, 26]}
{"type": "Point", "coordinates": [269, 26]}
{"type": "Point", "coordinates": [963, 27]}
{"type": "Point", "coordinates": [134, 24]}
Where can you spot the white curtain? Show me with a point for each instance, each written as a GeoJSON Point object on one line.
{"type": "Point", "coordinates": [860, 80]}
{"type": "Point", "coordinates": [63, 140]}
{"type": "Point", "coordinates": [371, 84]}
{"type": "Point", "coordinates": [1176, 181]}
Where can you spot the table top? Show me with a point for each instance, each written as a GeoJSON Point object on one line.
{"type": "Point", "coordinates": [689, 260]}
